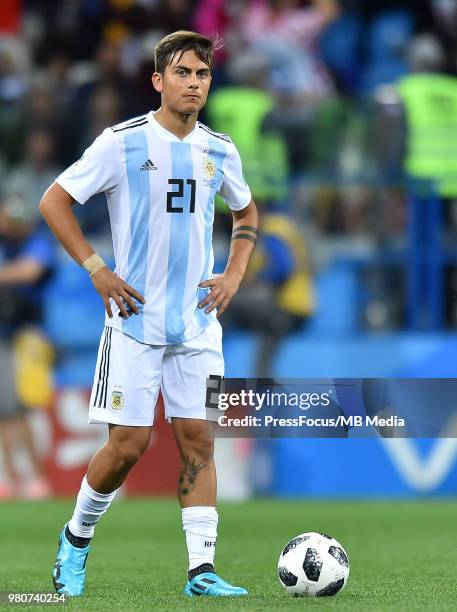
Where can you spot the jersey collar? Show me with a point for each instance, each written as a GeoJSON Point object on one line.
{"type": "Point", "coordinates": [166, 133]}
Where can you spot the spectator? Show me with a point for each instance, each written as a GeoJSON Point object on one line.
{"type": "Point", "coordinates": [288, 34]}
{"type": "Point", "coordinates": [13, 70]}
{"type": "Point", "coordinates": [172, 15]}
{"type": "Point", "coordinates": [104, 110]}
{"type": "Point", "coordinates": [58, 74]}
{"type": "Point", "coordinates": [26, 259]}
{"type": "Point", "coordinates": [430, 103]}
{"type": "Point", "coordinates": [257, 147]}
{"type": "Point", "coordinates": [108, 75]}
{"type": "Point", "coordinates": [37, 110]}
{"type": "Point", "coordinates": [14, 83]}
{"type": "Point", "coordinates": [74, 27]}
{"type": "Point", "coordinates": [277, 296]}
{"type": "Point", "coordinates": [27, 182]}
{"type": "Point", "coordinates": [109, 72]}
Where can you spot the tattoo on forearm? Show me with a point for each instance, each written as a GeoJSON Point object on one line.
{"type": "Point", "coordinates": [240, 235]}
{"type": "Point", "coordinates": [188, 474]}
{"type": "Point", "coordinates": [249, 228]}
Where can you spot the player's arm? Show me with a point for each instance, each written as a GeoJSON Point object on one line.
{"type": "Point", "coordinates": [244, 238]}
{"type": "Point", "coordinates": [31, 264]}
{"type": "Point", "coordinates": [56, 209]}
{"type": "Point", "coordinates": [23, 271]}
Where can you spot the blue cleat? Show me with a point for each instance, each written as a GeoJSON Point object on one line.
{"type": "Point", "coordinates": [210, 584]}
{"type": "Point", "coordinates": [69, 571]}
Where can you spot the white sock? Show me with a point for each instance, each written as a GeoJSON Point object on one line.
{"type": "Point", "coordinates": [200, 526]}
{"type": "Point", "coordinates": [90, 506]}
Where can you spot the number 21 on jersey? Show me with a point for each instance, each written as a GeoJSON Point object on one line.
{"type": "Point", "coordinates": [179, 193]}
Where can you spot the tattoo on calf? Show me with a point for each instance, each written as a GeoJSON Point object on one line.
{"type": "Point", "coordinates": [188, 475]}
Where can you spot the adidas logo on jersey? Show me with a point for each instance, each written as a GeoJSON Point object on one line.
{"type": "Point", "coordinates": [148, 165]}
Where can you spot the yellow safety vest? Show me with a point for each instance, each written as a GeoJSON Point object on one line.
{"type": "Point", "coordinates": [431, 112]}
{"type": "Point", "coordinates": [264, 155]}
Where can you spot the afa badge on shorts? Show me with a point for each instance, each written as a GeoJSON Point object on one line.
{"type": "Point", "coordinates": [117, 400]}
{"type": "Point", "coordinates": [209, 167]}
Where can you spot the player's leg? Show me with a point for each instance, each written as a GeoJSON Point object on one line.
{"type": "Point", "coordinates": [110, 465]}
{"type": "Point", "coordinates": [197, 491]}
{"type": "Point", "coordinates": [107, 471]}
{"type": "Point", "coordinates": [197, 477]}
{"type": "Point", "coordinates": [185, 370]}
{"type": "Point", "coordinates": [197, 496]}
{"type": "Point", "coordinates": [124, 395]}
{"type": "Point", "coordinates": [105, 474]}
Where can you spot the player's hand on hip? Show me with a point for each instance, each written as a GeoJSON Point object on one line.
{"type": "Point", "coordinates": [223, 288]}
{"type": "Point", "coordinates": [109, 285]}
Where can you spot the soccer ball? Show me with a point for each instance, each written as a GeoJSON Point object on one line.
{"type": "Point", "coordinates": [313, 565]}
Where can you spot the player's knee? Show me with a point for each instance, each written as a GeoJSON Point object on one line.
{"type": "Point", "coordinates": [200, 447]}
{"type": "Point", "coordinates": [129, 450]}
{"type": "Point", "coordinates": [128, 456]}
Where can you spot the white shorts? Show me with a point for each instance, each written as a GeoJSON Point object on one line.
{"type": "Point", "coordinates": [129, 376]}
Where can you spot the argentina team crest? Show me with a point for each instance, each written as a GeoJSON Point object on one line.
{"type": "Point", "coordinates": [117, 400]}
{"type": "Point", "coordinates": [209, 167]}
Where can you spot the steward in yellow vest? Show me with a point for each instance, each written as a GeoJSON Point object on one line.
{"type": "Point", "coordinates": [430, 103]}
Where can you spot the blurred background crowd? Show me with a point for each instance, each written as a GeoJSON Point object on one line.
{"type": "Point", "coordinates": [345, 116]}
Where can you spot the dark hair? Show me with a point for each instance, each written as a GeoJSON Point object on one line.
{"type": "Point", "coordinates": [182, 41]}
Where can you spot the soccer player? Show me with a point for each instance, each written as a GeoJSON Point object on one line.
{"type": "Point", "coordinates": [160, 173]}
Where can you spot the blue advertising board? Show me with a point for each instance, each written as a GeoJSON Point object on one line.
{"type": "Point", "coordinates": [296, 467]}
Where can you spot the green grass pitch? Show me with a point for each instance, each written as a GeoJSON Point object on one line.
{"type": "Point", "coordinates": [403, 554]}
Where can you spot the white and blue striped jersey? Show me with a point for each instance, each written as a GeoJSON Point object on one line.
{"type": "Point", "coordinates": [160, 192]}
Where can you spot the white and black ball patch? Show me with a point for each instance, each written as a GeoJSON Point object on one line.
{"type": "Point", "coordinates": [312, 565]}
{"type": "Point", "coordinates": [286, 577]}
{"type": "Point", "coordinates": [331, 589]}
{"type": "Point", "coordinates": [294, 543]}
{"type": "Point", "coordinates": [339, 554]}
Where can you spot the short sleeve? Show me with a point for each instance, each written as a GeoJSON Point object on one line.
{"type": "Point", "coordinates": [98, 170]}
{"type": "Point", "coordinates": [234, 188]}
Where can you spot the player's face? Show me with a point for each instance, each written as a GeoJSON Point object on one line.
{"type": "Point", "coordinates": [185, 83]}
